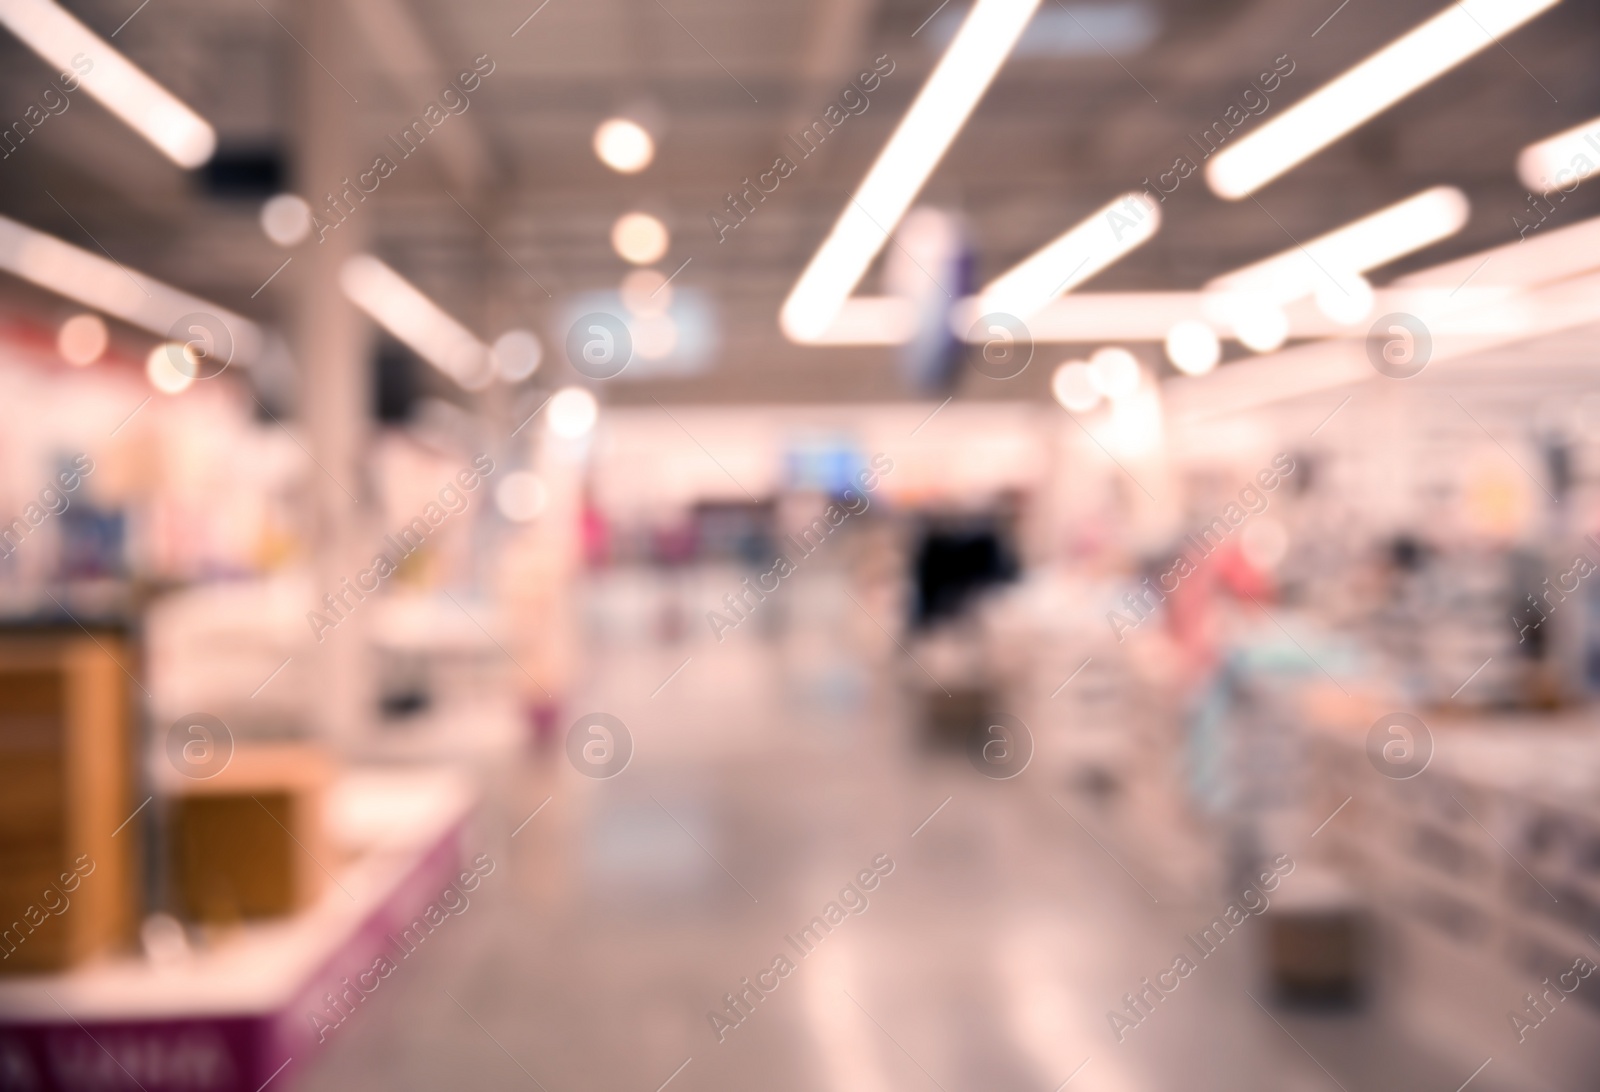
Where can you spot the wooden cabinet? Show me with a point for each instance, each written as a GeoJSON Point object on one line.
{"type": "Point", "coordinates": [66, 870]}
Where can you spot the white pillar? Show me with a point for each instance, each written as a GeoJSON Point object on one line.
{"type": "Point", "coordinates": [332, 345]}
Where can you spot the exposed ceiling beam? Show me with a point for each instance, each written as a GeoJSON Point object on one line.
{"type": "Point", "coordinates": [401, 49]}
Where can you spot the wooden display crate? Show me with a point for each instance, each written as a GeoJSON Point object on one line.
{"type": "Point", "coordinates": [248, 843]}
{"type": "Point", "coordinates": [65, 867]}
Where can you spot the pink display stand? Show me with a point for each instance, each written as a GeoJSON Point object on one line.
{"type": "Point", "coordinates": [234, 1017]}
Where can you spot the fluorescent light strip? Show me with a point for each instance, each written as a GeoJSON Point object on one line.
{"type": "Point", "coordinates": [400, 308]}
{"type": "Point", "coordinates": [1392, 73]}
{"type": "Point", "coordinates": [114, 289]}
{"type": "Point", "coordinates": [871, 320]}
{"type": "Point", "coordinates": [1329, 365]}
{"type": "Point", "coordinates": [182, 135]}
{"type": "Point", "coordinates": [1101, 316]}
{"type": "Point", "coordinates": [919, 142]}
{"type": "Point", "coordinates": [1576, 152]}
{"type": "Point", "coordinates": [1365, 244]}
{"type": "Point", "coordinates": [1539, 259]}
{"type": "Point", "coordinates": [1478, 291]}
{"type": "Point", "coordinates": [1073, 258]}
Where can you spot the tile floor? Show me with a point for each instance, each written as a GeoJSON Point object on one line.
{"type": "Point", "coordinates": [763, 781]}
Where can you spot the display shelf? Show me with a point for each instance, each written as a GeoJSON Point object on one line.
{"type": "Point", "coordinates": [1451, 863]}
{"type": "Point", "coordinates": [1493, 846]}
{"type": "Point", "coordinates": [234, 1013]}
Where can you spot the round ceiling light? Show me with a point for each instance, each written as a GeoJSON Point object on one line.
{"type": "Point", "coordinates": [1193, 348]}
{"type": "Point", "coordinates": [1346, 299]}
{"type": "Point", "coordinates": [624, 145]}
{"type": "Point", "coordinates": [286, 219]}
{"type": "Point", "coordinates": [639, 238]}
{"type": "Point", "coordinates": [1114, 373]}
{"type": "Point", "coordinates": [646, 293]}
{"type": "Point", "coordinates": [1074, 387]}
{"type": "Point", "coordinates": [164, 373]}
{"type": "Point", "coordinates": [573, 412]}
{"type": "Point", "coordinates": [517, 354]}
{"type": "Point", "coordinates": [1261, 327]}
{"type": "Point", "coordinates": [82, 339]}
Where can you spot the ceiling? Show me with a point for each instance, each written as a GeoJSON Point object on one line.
{"type": "Point", "coordinates": [503, 222]}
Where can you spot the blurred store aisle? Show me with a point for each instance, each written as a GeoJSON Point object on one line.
{"type": "Point", "coordinates": [997, 935]}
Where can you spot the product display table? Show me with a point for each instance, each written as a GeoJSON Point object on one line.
{"type": "Point", "coordinates": [1487, 864]}
{"type": "Point", "coordinates": [235, 1014]}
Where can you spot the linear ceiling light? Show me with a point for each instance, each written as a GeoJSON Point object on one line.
{"type": "Point", "coordinates": [871, 320]}
{"type": "Point", "coordinates": [1111, 316]}
{"type": "Point", "coordinates": [400, 308]}
{"type": "Point", "coordinates": [1539, 259]}
{"type": "Point", "coordinates": [118, 291]}
{"type": "Point", "coordinates": [1328, 365]}
{"type": "Point", "coordinates": [182, 135]}
{"type": "Point", "coordinates": [1378, 82]}
{"type": "Point", "coordinates": [924, 134]}
{"type": "Point", "coordinates": [1073, 258]}
{"type": "Point", "coordinates": [1575, 152]}
{"type": "Point", "coordinates": [1454, 294]}
{"type": "Point", "coordinates": [1365, 244]}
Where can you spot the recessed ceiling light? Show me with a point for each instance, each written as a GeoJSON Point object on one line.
{"type": "Point", "coordinates": [645, 293]}
{"type": "Point", "coordinates": [1193, 348]}
{"type": "Point", "coordinates": [286, 219]}
{"type": "Point", "coordinates": [639, 238]}
{"type": "Point", "coordinates": [517, 354]}
{"type": "Point", "coordinates": [624, 145]}
{"type": "Point", "coordinates": [82, 339]}
{"type": "Point", "coordinates": [573, 412]}
{"type": "Point", "coordinates": [1114, 373]}
{"type": "Point", "coordinates": [163, 371]}
{"type": "Point", "coordinates": [1074, 387]}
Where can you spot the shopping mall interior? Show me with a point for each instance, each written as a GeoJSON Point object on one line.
{"type": "Point", "coordinates": [1049, 539]}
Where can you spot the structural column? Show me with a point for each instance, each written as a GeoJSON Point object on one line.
{"type": "Point", "coordinates": [332, 345]}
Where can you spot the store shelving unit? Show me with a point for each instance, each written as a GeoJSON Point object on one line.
{"type": "Point", "coordinates": [1487, 863]}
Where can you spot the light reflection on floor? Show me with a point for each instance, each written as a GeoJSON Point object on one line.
{"type": "Point", "coordinates": [767, 775]}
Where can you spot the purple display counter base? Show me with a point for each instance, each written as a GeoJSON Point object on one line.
{"type": "Point", "coordinates": [227, 1053]}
